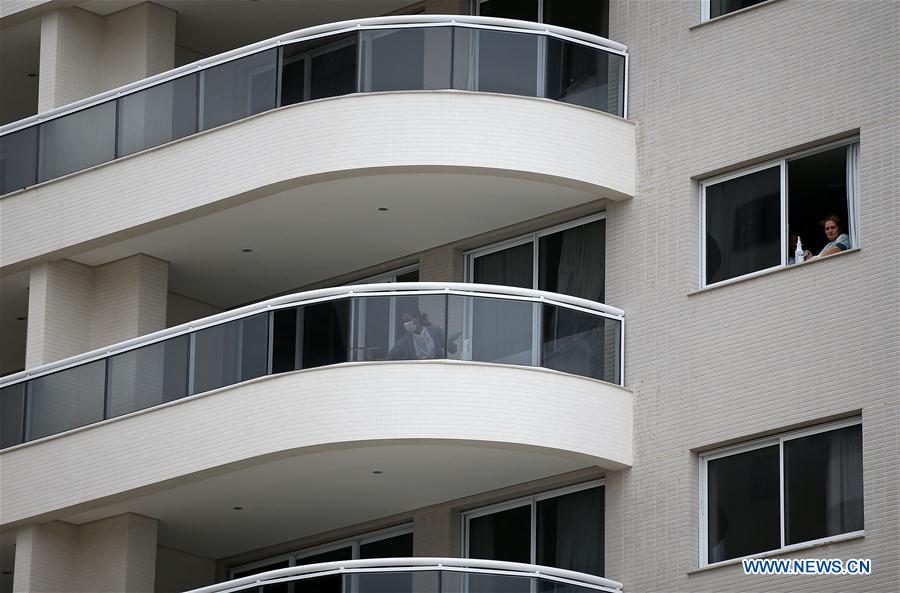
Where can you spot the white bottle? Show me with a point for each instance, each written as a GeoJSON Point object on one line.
{"type": "Point", "coordinates": [798, 254]}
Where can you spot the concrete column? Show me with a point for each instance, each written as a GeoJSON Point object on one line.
{"type": "Point", "coordinates": [442, 264]}
{"type": "Point", "coordinates": [113, 555]}
{"type": "Point", "coordinates": [73, 308]}
{"type": "Point", "coordinates": [83, 54]}
{"type": "Point", "coordinates": [436, 533]}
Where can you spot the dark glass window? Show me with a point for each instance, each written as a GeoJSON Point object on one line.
{"type": "Point", "coordinates": [158, 115]}
{"type": "Point", "coordinates": [817, 187]}
{"type": "Point", "coordinates": [823, 485]}
{"type": "Point", "coordinates": [230, 353]}
{"type": "Point", "coordinates": [581, 343]}
{"type": "Point", "coordinates": [570, 531]}
{"type": "Point", "coordinates": [505, 535]}
{"type": "Point", "coordinates": [318, 68]}
{"type": "Point", "coordinates": [285, 343]}
{"type": "Point", "coordinates": [12, 414]}
{"type": "Point", "coordinates": [743, 504]}
{"type": "Point", "coordinates": [505, 62]}
{"type": "Point", "coordinates": [590, 17]}
{"type": "Point", "coordinates": [398, 546]}
{"type": "Point", "coordinates": [327, 584]}
{"type": "Point", "coordinates": [720, 7]}
{"type": "Point", "coordinates": [407, 59]}
{"type": "Point", "coordinates": [238, 89]}
{"type": "Point", "coordinates": [572, 261]}
{"type": "Point", "coordinates": [326, 333]}
{"type": "Point", "coordinates": [274, 588]}
{"type": "Point", "coordinates": [67, 399]}
{"type": "Point", "coordinates": [77, 141]}
{"type": "Point", "coordinates": [18, 160]}
{"type": "Point", "coordinates": [743, 225]}
{"type": "Point", "coordinates": [523, 10]}
{"type": "Point", "coordinates": [148, 376]}
{"type": "Point", "coordinates": [585, 76]}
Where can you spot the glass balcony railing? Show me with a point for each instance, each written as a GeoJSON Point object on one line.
{"type": "Point", "coordinates": [356, 324]}
{"type": "Point", "coordinates": [421, 52]}
{"type": "Point", "coordinates": [418, 575]}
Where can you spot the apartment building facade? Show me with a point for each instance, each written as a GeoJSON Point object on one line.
{"type": "Point", "coordinates": [375, 296]}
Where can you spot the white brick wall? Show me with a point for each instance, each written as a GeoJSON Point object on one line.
{"type": "Point", "coordinates": [784, 349]}
{"type": "Point", "coordinates": [536, 408]}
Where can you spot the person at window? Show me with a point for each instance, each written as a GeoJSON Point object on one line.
{"type": "Point", "coordinates": [423, 341]}
{"type": "Point", "coordinates": [837, 241]}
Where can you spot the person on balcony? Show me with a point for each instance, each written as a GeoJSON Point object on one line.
{"type": "Point", "coordinates": [837, 241]}
{"type": "Point", "coordinates": [423, 341]}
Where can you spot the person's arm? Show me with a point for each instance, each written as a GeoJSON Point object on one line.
{"type": "Point", "coordinates": [842, 243]}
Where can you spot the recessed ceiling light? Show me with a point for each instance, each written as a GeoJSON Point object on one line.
{"type": "Point", "coordinates": [247, 250]}
{"type": "Point", "coordinates": [32, 75]}
{"type": "Point", "coordinates": [383, 209]}
{"type": "Point", "coordinates": [21, 318]}
{"type": "Point", "coordinates": [377, 471]}
{"type": "Point", "coordinates": [6, 572]}
{"type": "Point", "coordinates": [237, 508]}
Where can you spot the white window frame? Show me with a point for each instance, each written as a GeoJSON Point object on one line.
{"type": "Point", "coordinates": [851, 176]}
{"type": "Point", "coordinates": [351, 542]}
{"type": "Point", "coordinates": [531, 501]}
{"type": "Point", "coordinates": [779, 440]}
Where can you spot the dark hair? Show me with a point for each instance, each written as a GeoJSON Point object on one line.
{"type": "Point", "coordinates": [833, 218]}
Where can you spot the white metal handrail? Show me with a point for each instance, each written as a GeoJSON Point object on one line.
{"type": "Point", "coordinates": [426, 20]}
{"type": "Point", "coordinates": [382, 565]}
{"type": "Point", "coordinates": [321, 295]}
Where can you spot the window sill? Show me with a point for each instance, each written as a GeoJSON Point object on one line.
{"type": "Point", "coordinates": [844, 537]}
{"type": "Point", "coordinates": [770, 271]}
{"type": "Point", "coordinates": [730, 14]}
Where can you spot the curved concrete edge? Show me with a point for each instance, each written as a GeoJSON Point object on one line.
{"type": "Point", "coordinates": [310, 142]}
{"type": "Point", "coordinates": [338, 407]}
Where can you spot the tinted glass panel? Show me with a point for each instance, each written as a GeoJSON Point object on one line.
{"type": "Point", "coordinates": [285, 344]}
{"type": "Point", "coordinates": [275, 588]}
{"type": "Point", "coordinates": [399, 546]}
{"type": "Point", "coordinates": [334, 68]}
{"type": "Point", "coordinates": [12, 414]}
{"type": "Point", "coordinates": [18, 159]}
{"type": "Point", "coordinates": [326, 333]}
{"type": "Point", "coordinates": [581, 343]}
{"type": "Point", "coordinates": [412, 276]}
{"type": "Point", "coordinates": [570, 531]}
{"type": "Point", "coordinates": [505, 535]}
{"type": "Point", "coordinates": [492, 330]}
{"type": "Point", "coordinates": [329, 584]}
{"type": "Point", "coordinates": [158, 115]}
{"type": "Point", "coordinates": [590, 17]}
{"type": "Point", "coordinates": [573, 261]}
{"type": "Point", "coordinates": [743, 222]}
{"type": "Point", "coordinates": [78, 141]}
{"type": "Point", "coordinates": [416, 330]}
{"type": "Point", "coordinates": [720, 7]}
{"type": "Point", "coordinates": [230, 353]}
{"type": "Point", "coordinates": [817, 187]}
{"type": "Point", "coordinates": [496, 61]}
{"type": "Point", "coordinates": [823, 487]}
{"type": "Point", "coordinates": [744, 501]}
{"type": "Point", "coordinates": [67, 399]}
{"type": "Point", "coordinates": [407, 59]}
{"type": "Point", "coordinates": [148, 376]}
{"type": "Point", "coordinates": [523, 10]}
{"type": "Point", "coordinates": [508, 267]}
{"type": "Point", "coordinates": [238, 89]}
{"type": "Point", "coordinates": [585, 76]}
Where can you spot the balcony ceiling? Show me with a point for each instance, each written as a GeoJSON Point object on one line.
{"type": "Point", "coordinates": [312, 233]}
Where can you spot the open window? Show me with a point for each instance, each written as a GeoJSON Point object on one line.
{"type": "Point", "coordinates": [751, 219]}
{"type": "Point", "coordinates": [804, 486]}
{"type": "Point", "coordinates": [590, 17]}
{"type": "Point", "coordinates": [710, 9]}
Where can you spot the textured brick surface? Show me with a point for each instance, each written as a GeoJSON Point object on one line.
{"type": "Point", "coordinates": [762, 355]}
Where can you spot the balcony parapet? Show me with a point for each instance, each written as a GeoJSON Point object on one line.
{"type": "Point", "coordinates": [434, 52]}
{"type": "Point", "coordinates": [407, 575]}
{"type": "Point", "coordinates": [351, 324]}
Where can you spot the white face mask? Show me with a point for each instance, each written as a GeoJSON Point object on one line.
{"type": "Point", "coordinates": [410, 326]}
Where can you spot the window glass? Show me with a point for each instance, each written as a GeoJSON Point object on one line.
{"type": "Point", "coordinates": [274, 588]}
{"type": "Point", "coordinates": [238, 89]}
{"type": "Point", "coordinates": [318, 68]}
{"type": "Point", "coordinates": [399, 546]}
{"type": "Point", "coordinates": [327, 584]}
{"type": "Point", "coordinates": [743, 222]}
{"type": "Point", "coordinates": [18, 159]}
{"type": "Point", "coordinates": [326, 333]}
{"type": "Point", "coordinates": [720, 7]}
{"type": "Point", "coordinates": [823, 487]}
{"type": "Point", "coordinates": [743, 504]}
{"type": "Point", "coordinates": [581, 343]}
{"type": "Point", "coordinates": [817, 188]}
{"type": "Point", "coordinates": [78, 141]}
{"type": "Point", "coordinates": [12, 414]}
{"type": "Point", "coordinates": [67, 399]}
{"type": "Point", "coordinates": [590, 17]}
{"type": "Point", "coordinates": [523, 10]}
{"type": "Point", "coordinates": [230, 353]}
{"type": "Point", "coordinates": [158, 115]}
{"type": "Point", "coordinates": [407, 59]}
{"type": "Point", "coordinates": [572, 261]}
{"type": "Point", "coordinates": [585, 76]}
{"type": "Point", "coordinates": [286, 332]}
{"type": "Point", "coordinates": [570, 531]}
{"type": "Point", "coordinates": [496, 61]}
{"type": "Point", "coordinates": [505, 535]}
{"type": "Point", "coordinates": [148, 376]}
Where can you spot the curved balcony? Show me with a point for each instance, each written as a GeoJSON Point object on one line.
{"type": "Point", "coordinates": [355, 324]}
{"type": "Point", "coordinates": [421, 575]}
{"type": "Point", "coordinates": [401, 53]}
